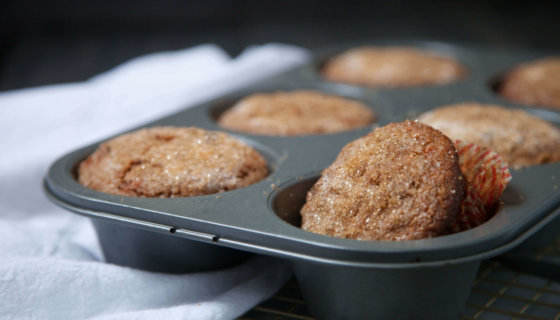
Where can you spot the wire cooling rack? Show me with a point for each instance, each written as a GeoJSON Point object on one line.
{"type": "Point", "coordinates": [519, 285]}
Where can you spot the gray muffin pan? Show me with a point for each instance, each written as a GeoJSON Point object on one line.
{"type": "Point", "coordinates": [339, 278]}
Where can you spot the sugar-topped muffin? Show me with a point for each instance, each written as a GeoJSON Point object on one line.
{"type": "Point", "coordinates": [291, 113]}
{"type": "Point", "coordinates": [534, 83]}
{"type": "Point", "coordinates": [392, 67]}
{"type": "Point", "coordinates": [520, 138]}
{"type": "Point", "coordinates": [400, 182]}
{"type": "Point", "coordinates": [171, 162]}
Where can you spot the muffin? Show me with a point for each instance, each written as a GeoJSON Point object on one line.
{"type": "Point", "coordinates": [400, 182]}
{"type": "Point", "coordinates": [392, 67]}
{"type": "Point", "coordinates": [171, 162]}
{"type": "Point", "coordinates": [295, 113]}
{"type": "Point", "coordinates": [519, 138]}
{"type": "Point", "coordinates": [534, 83]}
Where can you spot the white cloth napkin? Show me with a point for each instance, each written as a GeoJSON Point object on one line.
{"type": "Point", "coordinates": [51, 265]}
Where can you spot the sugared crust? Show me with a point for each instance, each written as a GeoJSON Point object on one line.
{"type": "Point", "coordinates": [392, 67]}
{"type": "Point", "coordinates": [295, 113]}
{"type": "Point", "coordinates": [400, 182]}
{"type": "Point", "coordinates": [534, 83]}
{"type": "Point", "coordinates": [518, 137]}
{"type": "Point", "coordinates": [171, 162]}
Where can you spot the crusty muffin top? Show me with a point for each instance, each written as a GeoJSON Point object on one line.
{"type": "Point", "coordinates": [400, 182]}
{"type": "Point", "coordinates": [171, 162]}
{"type": "Point", "coordinates": [392, 67]}
{"type": "Point", "coordinates": [518, 137]}
{"type": "Point", "coordinates": [300, 112]}
{"type": "Point", "coordinates": [534, 83]}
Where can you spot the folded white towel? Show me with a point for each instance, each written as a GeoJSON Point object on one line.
{"type": "Point", "coordinates": [50, 261]}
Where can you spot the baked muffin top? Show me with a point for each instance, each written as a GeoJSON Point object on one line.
{"type": "Point", "coordinates": [171, 162]}
{"type": "Point", "coordinates": [534, 83]}
{"type": "Point", "coordinates": [400, 182]}
{"type": "Point", "coordinates": [392, 67]}
{"type": "Point", "coordinates": [292, 113]}
{"type": "Point", "coordinates": [520, 138]}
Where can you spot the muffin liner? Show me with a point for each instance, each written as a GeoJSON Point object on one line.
{"type": "Point", "coordinates": [487, 176]}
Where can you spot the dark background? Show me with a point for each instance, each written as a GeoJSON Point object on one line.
{"type": "Point", "coordinates": [45, 42]}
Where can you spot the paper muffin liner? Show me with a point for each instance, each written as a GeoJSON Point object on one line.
{"type": "Point", "coordinates": [487, 175]}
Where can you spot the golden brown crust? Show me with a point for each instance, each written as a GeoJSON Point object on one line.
{"type": "Point", "coordinates": [518, 137]}
{"type": "Point", "coordinates": [171, 162]}
{"type": "Point", "coordinates": [400, 182]}
{"type": "Point", "coordinates": [295, 113]}
{"type": "Point", "coordinates": [534, 83]}
{"type": "Point", "coordinates": [392, 67]}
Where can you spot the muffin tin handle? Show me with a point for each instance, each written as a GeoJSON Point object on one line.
{"type": "Point", "coordinates": [140, 224]}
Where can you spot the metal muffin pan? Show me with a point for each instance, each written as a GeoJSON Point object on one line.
{"type": "Point", "coordinates": [339, 278]}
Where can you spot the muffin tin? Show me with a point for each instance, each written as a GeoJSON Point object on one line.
{"type": "Point", "coordinates": [339, 278]}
